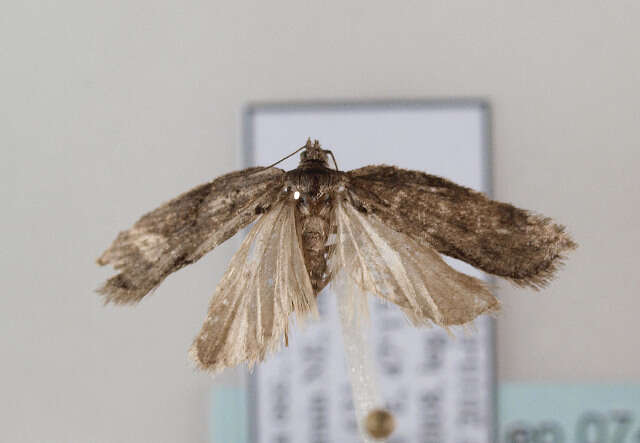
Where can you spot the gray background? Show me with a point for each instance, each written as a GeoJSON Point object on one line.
{"type": "Point", "coordinates": [109, 108]}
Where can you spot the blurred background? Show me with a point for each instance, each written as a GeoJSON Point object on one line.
{"type": "Point", "coordinates": [108, 109]}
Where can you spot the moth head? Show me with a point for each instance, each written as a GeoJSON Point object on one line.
{"type": "Point", "coordinates": [313, 152]}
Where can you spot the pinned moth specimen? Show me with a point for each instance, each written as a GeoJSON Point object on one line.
{"type": "Point", "coordinates": [378, 229]}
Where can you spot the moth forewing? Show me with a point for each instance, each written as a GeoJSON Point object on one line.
{"type": "Point", "coordinates": [182, 230]}
{"type": "Point", "coordinates": [495, 237]}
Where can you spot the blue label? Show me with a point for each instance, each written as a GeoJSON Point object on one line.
{"type": "Point", "coordinates": [569, 413]}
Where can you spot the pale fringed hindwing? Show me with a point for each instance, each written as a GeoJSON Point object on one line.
{"type": "Point", "coordinates": [265, 284]}
{"type": "Point", "coordinates": [401, 270]}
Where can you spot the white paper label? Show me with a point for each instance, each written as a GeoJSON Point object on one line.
{"type": "Point", "coordinates": [439, 388]}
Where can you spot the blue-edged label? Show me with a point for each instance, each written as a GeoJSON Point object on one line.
{"type": "Point", "coordinates": [569, 413]}
{"type": "Point", "coordinates": [228, 415]}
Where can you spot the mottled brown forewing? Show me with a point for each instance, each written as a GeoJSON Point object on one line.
{"type": "Point", "coordinates": [495, 237]}
{"type": "Point", "coordinates": [184, 229]}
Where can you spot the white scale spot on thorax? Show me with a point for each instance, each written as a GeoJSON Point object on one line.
{"type": "Point", "coordinates": [296, 195]}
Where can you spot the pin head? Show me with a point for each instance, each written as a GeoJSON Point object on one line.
{"type": "Point", "coordinates": [379, 423]}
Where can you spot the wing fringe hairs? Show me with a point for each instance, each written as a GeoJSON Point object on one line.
{"type": "Point", "coordinates": [265, 283]}
{"type": "Point", "coordinates": [182, 230]}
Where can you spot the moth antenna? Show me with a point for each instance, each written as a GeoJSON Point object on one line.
{"type": "Point", "coordinates": [335, 163]}
{"type": "Point", "coordinates": [283, 159]}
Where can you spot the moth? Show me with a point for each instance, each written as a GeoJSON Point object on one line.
{"type": "Point", "coordinates": [377, 229]}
